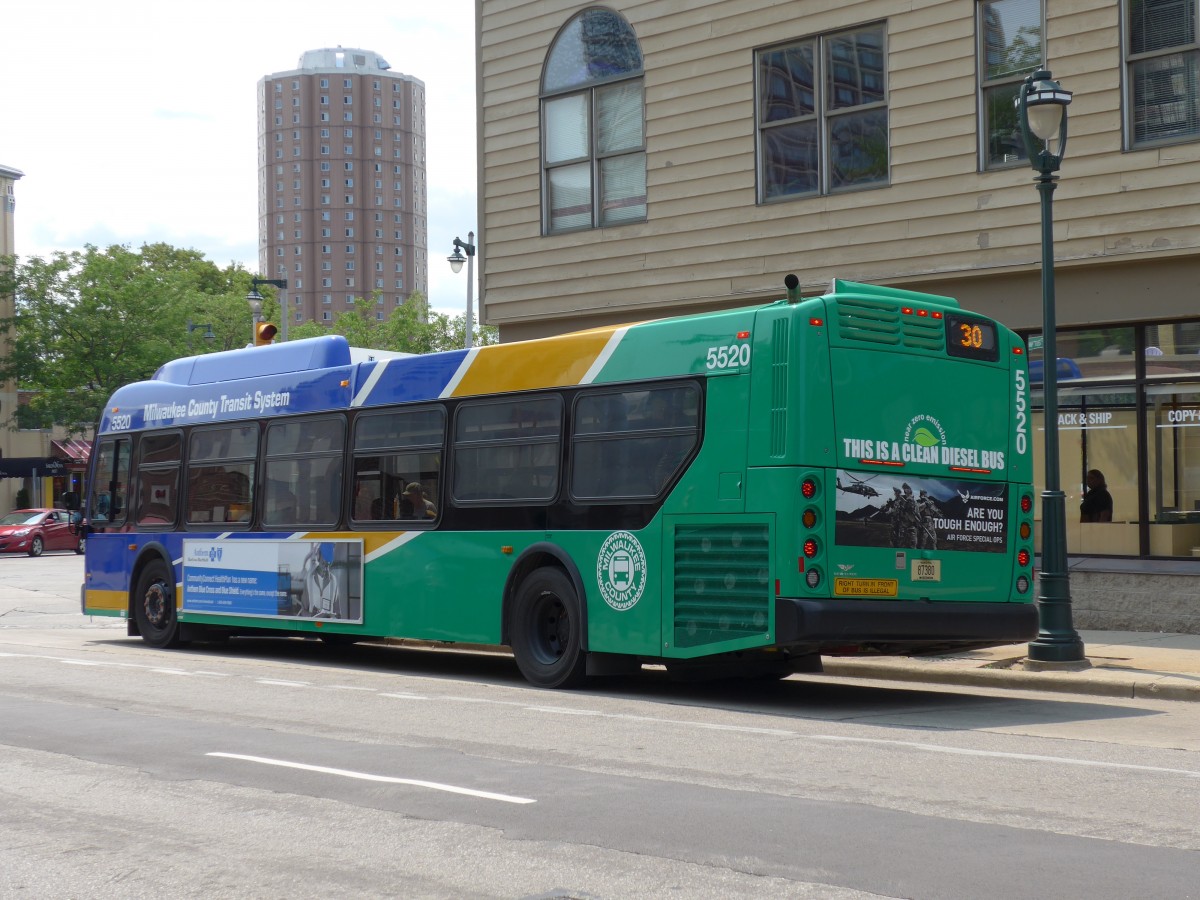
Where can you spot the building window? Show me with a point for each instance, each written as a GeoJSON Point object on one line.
{"type": "Point", "coordinates": [1010, 47]}
{"type": "Point", "coordinates": [1162, 57]}
{"type": "Point", "coordinates": [593, 134]}
{"type": "Point", "coordinates": [822, 114]}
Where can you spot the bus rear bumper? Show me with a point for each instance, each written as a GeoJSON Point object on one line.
{"type": "Point", "coordinates": [901, 626]}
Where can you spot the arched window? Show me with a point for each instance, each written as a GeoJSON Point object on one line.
{"type": "Point", "coordinates": [593, 125]}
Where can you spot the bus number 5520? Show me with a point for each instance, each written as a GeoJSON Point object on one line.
{"type": "Point", "coordinates": [730, 357]}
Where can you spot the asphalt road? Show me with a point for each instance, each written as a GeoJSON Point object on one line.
{"type": "Point", "coordinates": [272, 768]}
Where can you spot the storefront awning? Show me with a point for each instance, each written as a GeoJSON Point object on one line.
{"type": "Point", "coordinates": [73, 452]}
{"type": "Point", "coordinates": [25, 466]}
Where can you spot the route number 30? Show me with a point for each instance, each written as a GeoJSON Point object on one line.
{"type": "Point", "coordinates": [729, 357]}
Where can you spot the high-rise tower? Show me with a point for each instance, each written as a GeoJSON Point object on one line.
{"type": "Point", "coordinates": [341, 183]}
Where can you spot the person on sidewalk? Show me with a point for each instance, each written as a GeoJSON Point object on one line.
{"type": "Point", "coordinates": [1097, 505]}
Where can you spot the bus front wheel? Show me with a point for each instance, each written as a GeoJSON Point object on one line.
{"type": "Point", "coordinates": [154, 606]}
{"type": "Point", "coordinates": [546, 630]}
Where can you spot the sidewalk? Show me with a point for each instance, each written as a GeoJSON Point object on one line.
{"type": "Point", "coordinates": [1130, 664]}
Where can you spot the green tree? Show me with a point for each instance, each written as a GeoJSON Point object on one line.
{"type": "Point", "coordinates": [86, 322]}
{"type": "Point", "coordinates": [412, 327]}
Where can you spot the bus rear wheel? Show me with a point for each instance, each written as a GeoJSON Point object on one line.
{"type": "Point", "coordinates": [154, 606]}
{"type": "Point", "coordinates": [546, 630]}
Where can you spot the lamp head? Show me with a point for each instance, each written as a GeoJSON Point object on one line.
{"type": "Point", "coordinates": [456, 261]}
{"type": "Point", "coordinates": [255, 299]}
{"type": "Point", "coordinates": [1042, 113]}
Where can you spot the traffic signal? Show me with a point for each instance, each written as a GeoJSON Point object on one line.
{"type": "Point", "coordinates": [264, 333]}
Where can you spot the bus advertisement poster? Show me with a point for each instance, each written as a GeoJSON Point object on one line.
{"type": "Point", "coordinates": [283, 579]}
{"type": "Point", "coordinates": [906, 512]}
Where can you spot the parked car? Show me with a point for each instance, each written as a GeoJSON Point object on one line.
{"type": "Point", "coordinates": [34, 531]}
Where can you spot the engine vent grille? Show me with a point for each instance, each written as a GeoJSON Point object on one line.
{"type": "Point", "coordinates": [722, 583]}
{"type": "Point", "coordinates": [880, 323]}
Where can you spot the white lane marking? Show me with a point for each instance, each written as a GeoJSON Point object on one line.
{"type": "Point", "coordinates": [405, 696]}
{"type": "Point", "coordinates": [112, 665]}
{"type": "Point", "coordinates": [1000, 754]}
{"type": "Point", "coordinates": [384, 779]}
{"type": "Point", "coordinates": [283, 683]}
{"type": "Point", "coordinates": [562, 710]}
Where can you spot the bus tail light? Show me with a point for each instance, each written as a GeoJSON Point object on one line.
{"type": "Point", "coordinates": [1023, 558]}
{"type": "Point", "coordinates": [1026, 503]}
{"type": "Point", "coordinates": [812, 578]}
{"type": "Point", "coordinates": [1023, 585]}
{"type": "Point", "coordinates": [808, 488]}
{"type": "Point", "coordinates": [810, 548]}
{"type": "Point", "coordinates": [809, 518]}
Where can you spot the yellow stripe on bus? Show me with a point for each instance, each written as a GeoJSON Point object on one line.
{"type": "Point", "coordinates": [372, 540]}
{"type": "Point", "coordinates": [559, 361]}
{"type": "Point", "coordinates": [110, 601]}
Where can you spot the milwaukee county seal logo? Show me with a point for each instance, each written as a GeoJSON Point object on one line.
{"type": "Point", "coordinates": [621, 571]}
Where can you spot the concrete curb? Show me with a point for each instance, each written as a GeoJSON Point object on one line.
{"type": "Point", "coordinates": [1096, 681]}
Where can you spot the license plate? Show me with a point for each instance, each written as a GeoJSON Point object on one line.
{"type": "Point", "coordinates": [865, 587]}
{"type": "Point", "coordinates": [926, 570]}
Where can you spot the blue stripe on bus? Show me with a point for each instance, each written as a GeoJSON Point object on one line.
{"type": "Point", "coordinates": [412, 378]}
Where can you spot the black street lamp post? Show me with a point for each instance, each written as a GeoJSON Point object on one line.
{"type": "Point", "coordinates": [1042, 113]}
{"type": "Point", "coordinates": [208, 332]}
{"type": "Point", "coordinates": [456, 262]}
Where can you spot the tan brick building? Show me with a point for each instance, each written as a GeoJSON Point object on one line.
{"type": "Point", "coordinates": [342, 184]}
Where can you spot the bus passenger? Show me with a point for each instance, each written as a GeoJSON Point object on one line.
{"type": "Point", "coordinates": [415, 505]}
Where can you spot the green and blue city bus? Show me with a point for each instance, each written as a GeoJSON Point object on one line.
{"type": "Point", "coordinates": [734, 492]}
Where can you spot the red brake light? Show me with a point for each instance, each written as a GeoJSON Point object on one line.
{"type": "Point", "coordinates": [742, 335]}
{"type": "Point", "coordinates": [808, 488]}
{"type": "Point", "coordinates": [907, 310]}
{"type": "Point", "coordinates": [936, 314]}
{"type": "Point", "coordinates": [816, 321]}
{"type": "Point", "coordinates": [1026, 503]}
{"type": "Point", "coordinates": [922, 312]}
{"type": "Point", "coordinates": [810, 548]}
{"type": "Point", "coordinates": [1023, 558]}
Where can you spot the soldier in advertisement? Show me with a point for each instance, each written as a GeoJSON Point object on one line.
{"type": "Point", "coordinates": [927, 511]}
{"type": "Point", "coordinates": [890, 511]}
{"type": "Point", "coordinates": [910, 518]}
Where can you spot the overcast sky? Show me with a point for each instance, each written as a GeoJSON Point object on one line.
{"type": "Point", "coordinates": [135, 121]}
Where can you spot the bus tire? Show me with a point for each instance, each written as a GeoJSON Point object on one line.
{"type": "Point", "coordinates": [546, 630]}
{"type": "Point", "coordinates": [154, 605]}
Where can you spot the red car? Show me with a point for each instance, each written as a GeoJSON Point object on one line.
{"type": "Point", "coordinates": [33, 531]}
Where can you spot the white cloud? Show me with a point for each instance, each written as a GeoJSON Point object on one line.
{"type": "Point", "coordinates": [135, 121]}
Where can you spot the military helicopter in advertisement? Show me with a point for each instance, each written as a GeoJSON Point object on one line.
{"type": "Point", "coordinates": [857, 486]}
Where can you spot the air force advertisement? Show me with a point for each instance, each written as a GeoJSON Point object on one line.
{"type": "Point", "coordinates": [920, 513]}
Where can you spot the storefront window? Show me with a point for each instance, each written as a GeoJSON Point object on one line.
{"type": "Point", "coordinates": [1108, 380]}
{"type": "Point", "coordinates": [1173, 440]}
{"type": "Point", "coordinates": [1097, 432]}
{"type": "Point", "coordinates": [1172, 350]}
